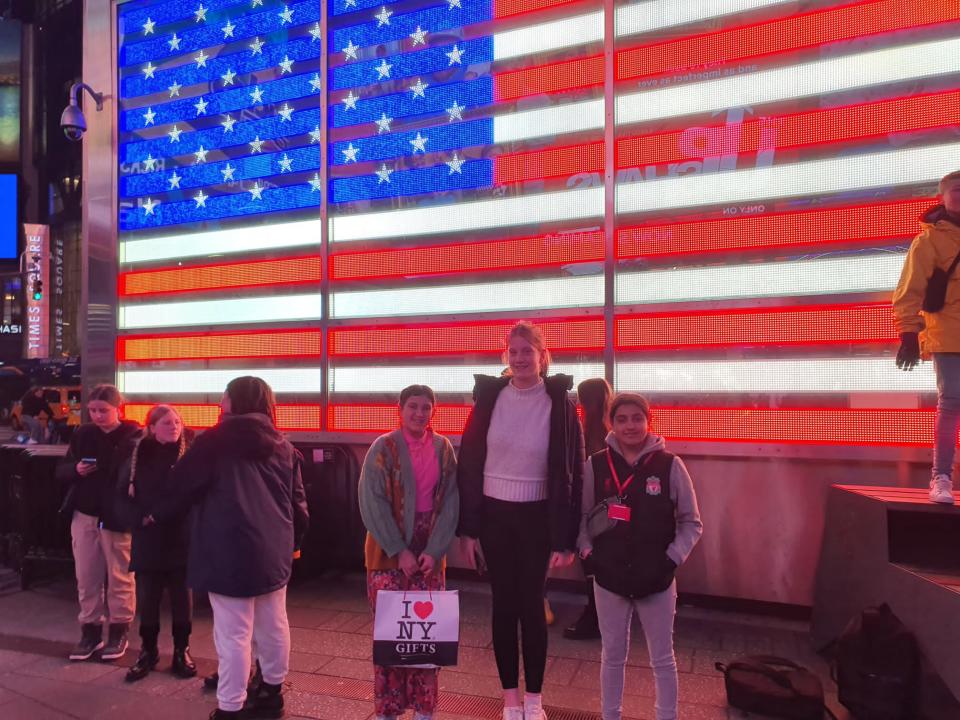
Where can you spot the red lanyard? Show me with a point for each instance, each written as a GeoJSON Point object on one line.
{"type": "Point", "coordinates": [621, 489]}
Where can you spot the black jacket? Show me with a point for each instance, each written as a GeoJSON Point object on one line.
{"type": "Point", "coordinates": [161, 546]}
{"type": "Point", "coordinates": [251, 508]}
{"type": "Point", "coordinates": [94, 494]}
{"type": "Point", "coordinates": [564, 460]}
{"type": "Point", "coordinates": [33, 405]}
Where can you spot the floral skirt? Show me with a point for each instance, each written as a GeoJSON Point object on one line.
{"type": "Point", "coordinates": [395, 689]}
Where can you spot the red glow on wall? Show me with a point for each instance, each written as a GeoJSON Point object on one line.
{"type": "Point", "coordinates": [508, 8]}
{"type": "Point", "coordinates": [222, 276]}
{"type": "Point", "coordinates": [220, 345]}
{"type": "Point", "coordinates": [290, 417]}
{"type": "Point", "coordinates": [448, 419]}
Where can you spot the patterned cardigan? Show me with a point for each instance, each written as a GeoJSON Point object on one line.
{"type": "Point", "coordinates": [387, 493]}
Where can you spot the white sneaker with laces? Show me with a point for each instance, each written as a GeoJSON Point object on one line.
{"type": "Point", "coordinates": [513, 713]}
{"type": "Point", "coordinates": [941, 490]}
{"type": "Point", "coordinates": [533, 710]}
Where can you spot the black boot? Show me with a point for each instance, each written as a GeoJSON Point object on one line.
{"type": "Point", "coordinates": [116, 642]}
{"type": "Point", "coordinates": [91, 640]}
{"type": "Point", "coordinates": [149, 654]}
{"type": "Point", "coordinates": [588, 626]}
{"type": "Point", "coordinates": [219, 714]}
{"type": "Point", "coordinates": [267, 702]}
{"type": "Point", "coordinates": [183, 665]}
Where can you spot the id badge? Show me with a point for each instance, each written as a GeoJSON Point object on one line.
{"type": "Point", "coordinates": [616, 511]}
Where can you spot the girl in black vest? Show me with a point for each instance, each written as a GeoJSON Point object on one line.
{"type": "Point", "coordinates": [159, 552]}
{"type": "Point", "coordinates": [635, 543]}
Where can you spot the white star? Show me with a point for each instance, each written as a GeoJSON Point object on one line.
{"type": "Point", "coordinates": [418, 88]}
{"type": "Point", "coordinates": [455, 55]}
{"type": "Point", "coordinates": [148, 205]}
{"type": "Point", "coordinates": [201, 59]}
{"type": "Point", "coordinates": [315, 183]}
{"type": "Point", "coordinates": [350, 154]}
{"type": "Point", "coordinates": [148, 117]}
{"type": "Point", "coordinates": [257, 95]}
{"type": "Point", "coordinates": [451, 4]}
{"type": "Point", "coordinates": [383, 174]}
{"type": "Point", "coordinates": [315, 135]}
{"type": "Point", "coordinates": [349, 3]}
{"type": "Point", "coordinates": [383, 124]}
{"type": "Point", "coordinates": [227, 171]}
{"type": "Point", "coordinates": [255, 3]}
{"type": "Point", "coordinates": [256, 145]}
{"type": "Point", "coordinates": [285, 164]}
{"type": "Point", "coordinates": [175, 134]}
{"type": "Point", "coordinates": [200, 199]}
{"type": "Point", "coordinates": [200, 155]}
{"type": "Point", "coordinates": [419, 143]}
{"type": "Point", "coordinates": [228, 77]}
{"type": "Point", "coordinates": [383, 69]}
{"type": "Point", "coordinates": [383, 17]}
{"type": "Point", "coordinates": [286, 65]}
{"type": "Point", "coordinates": [350, 101]}
{"type": "Point", "coordinates": [201, 106]}
{"type": "Point", "coordinates": [255, 191]}
{"type": "Point", "coordinates": [350, 51]}
{"type": "Point", "coordinates": [148, 27]}
{"type": "Point", "coordinates": [148, 70]}
{"type": "Point", "coordinates": [174, 180]}
{"type": "Point", "coordinates": [285, 112]}
{"type": "Point", "coordinates": [419, 36]}
{"type": "Point", "coordinates": [228, 124]}
{"type": "Point", "coordinates": [228, 29]}
{"type": "Point", "coordinates": [455, 111]}
{"type": "Point", "coordinates": [175, 89]}
{"type": "Point", "coordinates": [149, 163]}
{"type": "Point", "coordinates": [315, 33]}
{"type": "Point", "coordinates": [286, 16]}
{"type": "Point", "coordinates": [174, 42]}
{"type": "Point", "coordinates": [316, 84]}
{"type": "Point", "coordinates": [257, 46]}
{"type": "Point", "coordinates": [455, 163]}
{"type": "Point", "coordinates": [201, 13]}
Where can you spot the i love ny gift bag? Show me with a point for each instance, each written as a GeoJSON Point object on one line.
{"type": "Point", "coordinates": [416, 628]}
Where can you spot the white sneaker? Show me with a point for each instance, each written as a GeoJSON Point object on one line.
{"type": "Point", "coordinates": [513, 713]}
{"type": "Point", "coordinates": [533, 711]}
{"type": "Point", "coordinates": [941, 490]}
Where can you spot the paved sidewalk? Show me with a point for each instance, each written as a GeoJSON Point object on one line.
{"type": "Point", "coordinates": [330, 663]}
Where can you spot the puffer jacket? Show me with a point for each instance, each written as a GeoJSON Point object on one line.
{"type": "Point", "coordinates": [937, 245]}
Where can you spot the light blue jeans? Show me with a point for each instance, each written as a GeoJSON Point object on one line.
{"type": "Point", "coordinates": [656, 613]}
{"type": "Point", "coordinates": [947, 366]}
{"type": "Point", "coordinates": [33, 426]}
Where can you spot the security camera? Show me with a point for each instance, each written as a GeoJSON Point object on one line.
{"type": "Point", "coordinates": [72, 122]}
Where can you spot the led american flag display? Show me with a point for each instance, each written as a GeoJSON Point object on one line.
{"type": "Point", "coordinates": [708, 202]}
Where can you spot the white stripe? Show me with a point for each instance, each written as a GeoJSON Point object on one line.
{"type": "Point", "coordinates": [795, 81]}
{"type": "Point", "coordinates": [554, 120]}
{"type": "Point", "coordinates": [648, 16]}
{"type": "Point", "coordinates": [816, 177]}
{"type": "Point", "coordinates": [843, 375]}
{"type": "Point", "coordinates": [548, 36]}
{"type": "Point", "coordinates": [177, 382]}
{"type": "Point", "coordinates": [441, 378]}
{"type": "Point", "coordinates": [270, 308]}
{"type": "Point", "coordinates": [222, 242]}
{"type": "Point", "coordinates": [540, 294]}
{"type": "Point", "coordinates": [470, 216]}
{"type": "Point", "coordinates": [827, 276]}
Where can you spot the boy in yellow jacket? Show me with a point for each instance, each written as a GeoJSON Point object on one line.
{"type": "Point", "coordinates": [935, 334]}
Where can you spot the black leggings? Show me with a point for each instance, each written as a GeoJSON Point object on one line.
{"type": "Point", "coordinates": [150, 587]}
{"type": "Point", "coordinates": [516, 544]}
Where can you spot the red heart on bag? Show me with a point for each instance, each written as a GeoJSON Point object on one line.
{"type": "Point", "coordinates": [423, 609]}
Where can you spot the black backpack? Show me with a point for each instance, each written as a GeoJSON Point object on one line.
{"type": "Point", "coordinates": [877, 666]}
{"type": "Point", "coordinates": [774, 686]}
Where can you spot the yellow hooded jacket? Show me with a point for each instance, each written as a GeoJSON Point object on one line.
{"type": "Point", "coordinates": [937, 245]}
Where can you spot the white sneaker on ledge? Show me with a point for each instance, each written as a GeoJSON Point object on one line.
{"type": "Point", "coordinates": [513, 713]}
{"type": "Point", "coordinates": [941, 490]}
{"type": "Point", "coordinates": [533, 710]}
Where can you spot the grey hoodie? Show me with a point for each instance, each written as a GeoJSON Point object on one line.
{"type": "Point", "coordinates": [689, 527]}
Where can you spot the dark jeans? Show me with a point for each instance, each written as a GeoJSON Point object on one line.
{"type": "Point", "coordinates": [516, 544]}
{"type": "Point", "coordinates": [150, 587]}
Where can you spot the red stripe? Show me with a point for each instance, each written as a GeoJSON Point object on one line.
{"type": "Point", "coordinates": [512, 254]}
{"type": "Point", "coordinates": [289, 417]}
{"type": "Point", "coordinates": [301, 343]}
{"type": "Point", "coordinates": [812, 325]}
{"type": "Point", "coordinates": [873, 222]}
{"type": "Point", "coordinates": [222, 276]}
{"type": "Point", "coordinates": [509, 8]}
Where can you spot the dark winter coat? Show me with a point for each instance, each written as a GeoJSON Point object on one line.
{"type": "Point", "coordinates": [161, 546]}
{"type": "Point", "coordinates": [94, 494]}
{"type": "Point", "coordinates": [564, 460]}
{"type": "Point", "coordinates": [251, 509]}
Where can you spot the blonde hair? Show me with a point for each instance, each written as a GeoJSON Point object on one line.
{"type": "Point", "coordinates": [949, 177]}
{"type": "Point", "coordinates": [156, 414]}
{"type": "Point", "coordinates": [533, 335]}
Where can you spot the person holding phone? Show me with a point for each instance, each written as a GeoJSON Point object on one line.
{"type": "Point", "coordinates": [101, 538]}
{"type": "Point", "coordinates": [520, 467]}
{"type": "Point", "coordinates": [410, 505]}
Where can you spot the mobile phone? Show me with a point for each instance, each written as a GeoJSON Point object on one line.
{"type": "Point", "coordinates": [89, 461]}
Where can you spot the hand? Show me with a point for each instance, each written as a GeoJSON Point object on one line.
{"type": "Point", "coordinates": [427, 563]}
{"type": "Point", "coordinates": [148, 520]}
{"type": "Point", "coordinates": [84, 469]}
{"type": "Point", "coordinates": [408, 563]}
{"type": "Point", "coordinates": [586, 552]}
{"type": "Point", "coordinates": [472, 554]}
{"type": "Point", "coordinates": [561, 559]}
{"type": "Point", "coordinates": [909, 353]}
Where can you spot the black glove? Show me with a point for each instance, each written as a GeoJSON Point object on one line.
{"type": "Point", "coordinates": [909, 353]}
